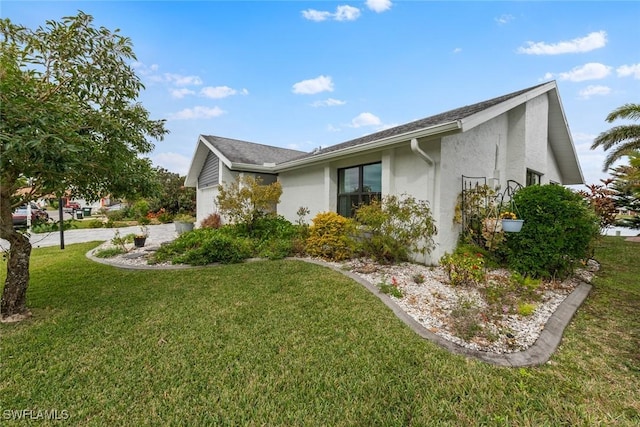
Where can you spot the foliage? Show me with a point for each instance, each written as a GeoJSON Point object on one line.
{"type": "Point", "coordinates": [504, 294]}
{"type": "Point", "coordinates": [302, 212]}
{"type": "Point", "coordinates": [109, 252]}
{"type": "Point", "coordinates": [601, 198]}
{"type": "Point", "coordinates": [173, 197]}
{"type": "Point", "coordinates": [330, 237]}
{"type": "Point", "coordinates": [140, 209]}
{"type": "Point", "coordinates": [480, 218]}
{"type": "Point", "coordinates": [391, 288]}
{"type": "Point", "coordinates": [526, 309]}
{"type": "Point", "coordinates": [627, 186]}
{"type": "Point", "coordinates": [205, 246]}
{"type": "Point", "coordinates": [395, 227]}
{"type": "Point", "coordinates": [121, 241]}
{"type": "Point", "coordinates": [211, 221]}
{"type": "Point", "coordinates": [559, 230]}
{"type": "Point", "coordinates": [466, 317]}
{"type": "Point", "coordinates": [70, 121]}
{"type": "Point", "coordinates": [164, 217]}
{"type": "Point", "coordinates": [464, 269]}
{"type": "Point", "coordinates": [622, 139]}
{"type": "Point", "coordinates": [246, 199]}
{"type": "Point", "coordinates": [184, 218]}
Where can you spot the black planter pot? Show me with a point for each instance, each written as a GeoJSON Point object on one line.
{"type": "Point", "coordinates": [138, 242]}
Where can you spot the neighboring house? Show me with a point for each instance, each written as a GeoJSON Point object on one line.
{"type": "Point", "coordinates": [522, 136]}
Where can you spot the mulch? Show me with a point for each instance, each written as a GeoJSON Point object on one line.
{"type": "Point", "coordinates": [633, 239]}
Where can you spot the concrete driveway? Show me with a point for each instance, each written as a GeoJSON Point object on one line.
{"type": "Point", "coordinates": [157, 234]}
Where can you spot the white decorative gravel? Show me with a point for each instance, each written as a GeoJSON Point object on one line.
{"type": "Point", "coordinates": [431, 303]}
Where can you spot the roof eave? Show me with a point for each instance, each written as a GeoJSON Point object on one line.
{"type": "Point", "coordinates": [440, 129]}
{"type": "Point", "coordinates": [489, 113]}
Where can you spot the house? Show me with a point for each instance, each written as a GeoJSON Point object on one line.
{"type": "Point", "coordinates": [522, 136]}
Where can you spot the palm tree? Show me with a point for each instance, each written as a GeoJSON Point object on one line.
{"type": "Point", "coordinates": [623, 139]}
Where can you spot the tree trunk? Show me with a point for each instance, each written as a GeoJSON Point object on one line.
{"type": "Point", "coordinates": [13, 304]}
{"type": "Point", "coordinates": [14, 296]}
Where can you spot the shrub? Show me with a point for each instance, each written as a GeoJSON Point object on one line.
{"type": "Point", "coordinates": [246, 199]}
{"type": "Point", "coordinates": [330, 237]}
{"type": "Point", "coordinates": [140, 209]}
{"type": "Point", "coordinates": [395, 227]}
{"type": "Point", "coordinates": [165, 217]}
{"type": "Point", "coordinates": [270, 226]}
{"type": "Point", "coordinates": [559, 228]}
{"type": "Point", "coordinates": [211, 221]}
{"type": "Point", "coordinates": [464, 268]}
{"type": "Point", "coordinates": [205, 246]}
{"type": "Point", "coordinates": [109, 252]}
{"type": "Point", "coordinates": [118, 215]}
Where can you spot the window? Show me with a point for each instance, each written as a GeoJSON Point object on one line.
{"type": "Point", "coordinates": [358, 185]}
{"type": "Point", "coordinates": [533, 178]}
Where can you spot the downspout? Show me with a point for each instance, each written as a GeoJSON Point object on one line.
{"type": "Point", "coordinates": [420, 153]}
{"type": "Point", "coordinates": [431, 196]}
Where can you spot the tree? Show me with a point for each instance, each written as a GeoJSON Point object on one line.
{"type": "Point", "coordinates": [621, 139]}
{"type": "Point", "coordinates": [246, 199]}
{"type": "Point", "coordinates": [626, 182]}
{"type": "Point", "coordinates": [68, 122]}
{"type": "Point", "coordinates": [173, 197]}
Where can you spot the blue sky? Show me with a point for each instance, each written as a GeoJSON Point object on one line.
{"type": "Point", "coordinates": [301, 74]}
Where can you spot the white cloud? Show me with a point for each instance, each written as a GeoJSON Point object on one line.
{"type": "Point", "coordinates": [346, 13]}
{"type": "Point", "coordinates": [504, 19]}
{"type": "Point", "coordinates": [592, 41]}
{"type": "Point", "coordinates": [629, 70]}
{"type": "Point", "coordinates": [217, 92]}
{"type": "Point", "coordinates": [332, 128]}
{"type": "Point", "coordinates": [181, 93]}
{"type": "Point", "coordinates": [590, 71]}
{"type": "Point", "coordinates": [312, 86]}
{"type": "Point", "coordinates": [180, 80]}
{"type": "Point", "coordinates": [365, 119]}
{"type": "Point", "coordinates": [457, 50]}
{"type": "Point", "coordinates": [316, 15]}
{"type": "Point", "coordinates": [342, 13]}
{"type": "Point", "coordinates": [379, 5]}
{"type": "Point", "coordinates": [592, 90]}
{"type": "Point", "coordinates": [198, 112]}
{"type": "Point", "coordinates": [173, 162]}
{"type": "Point", "coordinates": [329, 102]}
{"type": "Point", "coordinates": [143, 69]}
{"type": "Point", "coordinates": [244, 92]}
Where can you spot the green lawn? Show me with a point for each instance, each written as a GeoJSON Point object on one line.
{"type": "Point", "coordinates": [290, 343]}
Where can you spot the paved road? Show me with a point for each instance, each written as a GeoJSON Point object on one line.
{"type": "Point", "coordinates": [157, 234]}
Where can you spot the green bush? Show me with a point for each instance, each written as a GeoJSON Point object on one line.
{"type": "Point", "coordinates": [205, 246]}
{"type": "Point", "coordinates": [330, 237]}
{"type": "Point", "coordinates": [559, 229]}
{"type": "Point", "coordinates": [396, 227]}
{"type": "Point", "coordinates": [464, 268]}
{"type": "Point", "coordinates": [118, 215]}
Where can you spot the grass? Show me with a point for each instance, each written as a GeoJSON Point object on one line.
{"type": "Point", "coordinates": [289, 343]}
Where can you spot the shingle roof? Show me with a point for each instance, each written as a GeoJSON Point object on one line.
{"type": "Point", "coordinates": [238, 151]}
{"type": "Point", "coordinates": [446, 117]}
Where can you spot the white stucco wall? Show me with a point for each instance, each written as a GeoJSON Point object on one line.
{"type": "Point", "coordinates": [302, 187]}
{"type": "Point", "coordinates": [536, 131]}
{"type": "Point", "coordinates": [472, 153]}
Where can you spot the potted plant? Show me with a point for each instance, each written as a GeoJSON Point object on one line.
{"type": "Point", "coordinates": [140, 239]}
{"type": "Point", "coordinates": [184, 223]}
{"type": "Point", "coordinates": [510, 222]}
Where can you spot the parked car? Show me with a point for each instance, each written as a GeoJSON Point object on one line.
{"type": "Point", "coordinates": [74, 206]}
{"type": "Point", "coordinates": [19, 216]}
